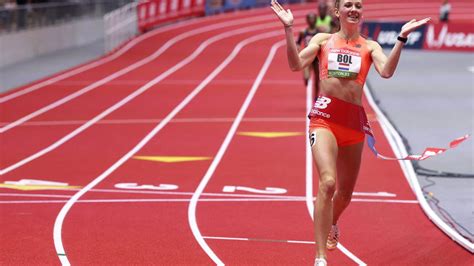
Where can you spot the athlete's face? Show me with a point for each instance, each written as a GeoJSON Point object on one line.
{"type": "Point", "coordinates": [311, 20]}
{"type": "Point", "coordinates": [349, 11]}
{"type": "Point", "coordinates": [323, 9]}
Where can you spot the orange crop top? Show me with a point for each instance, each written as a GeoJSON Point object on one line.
{"type": "Point", "coordinates": [339, 58]}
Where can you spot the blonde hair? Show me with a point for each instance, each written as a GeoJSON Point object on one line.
{"type": "Point", "coordinates": [336, 6]}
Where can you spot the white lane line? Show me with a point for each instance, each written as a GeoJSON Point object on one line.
{"type": "Point", "coordinates": [385, 201]}
{"type": "Point", "coordinates": [182, 82]}
{"type": "Point", "coordinates": [174, 193]}
{"type": "Point", "coordinates": [205, 180]}
{"type": "Point", "coordinates": [143, 200]}
{"type": "Point", "coordinates": [249, 199]}
{"type": "Point", "coordinates": [226, 238]}
{"type": "Point", "coordinates": [258, 240]}
{"type": "Point", "coordinates": [108, 58]}
{"type": "Point", "coordinates": [136, 93]}
{"type": "Point", "coordinates": [125, 191]}
{"type": "Point", "coordinates": [301, 242]}
{"type": "Point", "coordinates": [309, 177]}
{"type": "Point", "coordinates": [57, 231]}
{"type": "Point", "coordinates": [126, 70]}
{"type": "Point", "coordinates": [154, 121]}
{"type": "Point", "coordinates": [374, 194]}
{"type": "Point", "coordinates": [309, 155]}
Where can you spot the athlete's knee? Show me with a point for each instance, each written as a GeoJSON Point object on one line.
{"type": "Point", "coordinates": [327, 184]}
{"type": "Point", "coordinates": [344, 196]}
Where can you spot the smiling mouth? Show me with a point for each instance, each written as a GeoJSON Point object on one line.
{"type": "Point", "coordinates": [354, 16]}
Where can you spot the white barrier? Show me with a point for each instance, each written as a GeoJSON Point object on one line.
{"type": "Point", "coordinates": [120, 26]}
{"type": "Point", "coordinates": [27, 44]}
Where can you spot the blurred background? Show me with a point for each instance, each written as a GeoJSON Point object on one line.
{"type": "Point", "coordinates": [18, 15]}
{"type": "Point", "coordinates": [86, 29]}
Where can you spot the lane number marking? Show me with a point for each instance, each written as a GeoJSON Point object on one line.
{"type": "Point", "coordinates": [267, 190]}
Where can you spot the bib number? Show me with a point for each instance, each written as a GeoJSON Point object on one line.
{"type": "Point", "coordinates": [343, 64]}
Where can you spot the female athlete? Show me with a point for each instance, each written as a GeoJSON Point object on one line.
{"type": "Point", "coordinates": [336, 120]}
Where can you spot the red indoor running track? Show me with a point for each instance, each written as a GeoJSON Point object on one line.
{"type": "Point", "coordinates": [187, 147]}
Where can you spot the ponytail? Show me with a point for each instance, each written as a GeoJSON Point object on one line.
{"type": "Point", "coordinates": [336, 6]}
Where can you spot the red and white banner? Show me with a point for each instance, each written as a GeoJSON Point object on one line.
{"type": "Point", "coordinates": [154, 12]}
{"type": "Point", "coordinates": [449, 36]}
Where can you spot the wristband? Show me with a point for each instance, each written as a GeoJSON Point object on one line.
{"type": "Point", "coordinates": [403, 40]}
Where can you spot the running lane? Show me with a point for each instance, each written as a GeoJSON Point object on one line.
{"type": "Point", "coordinates": [25, 100]}
{"type": "Point", "coordinates": [144, 47]}
{"type": "Point", "coordinates": [389, 221]}
{"type": "Point", "coordinates": [150, 231]}
{"type": "Point", "coordinates": [78, 161]}
{"type": "Point", "coordinates": [75, 164]}
{"type": "Point", "coordinates": [52, 88]}
{"type": "Point", "coordinates": [103, 98]}
{"type": "Point", "coordinates": [267, 151]}
{"type": "Point", "coordinates": [158, 231]}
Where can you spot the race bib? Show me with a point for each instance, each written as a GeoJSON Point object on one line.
{"type": "Point", "coordinates": [343, 63]}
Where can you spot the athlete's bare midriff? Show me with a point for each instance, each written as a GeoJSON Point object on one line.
{"type": "Point", "coordinates": [349, 90]}
{"type": "Point", "coordinates": [343, 89]}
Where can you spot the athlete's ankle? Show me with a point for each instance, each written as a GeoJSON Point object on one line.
{"type": "Point", "coordinates": [320, 255]}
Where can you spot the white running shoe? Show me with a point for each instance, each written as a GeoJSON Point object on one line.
{"type": "Point", "coordinates": [333, 238]}
{"type": "Point", "coordinates": [320, 262]}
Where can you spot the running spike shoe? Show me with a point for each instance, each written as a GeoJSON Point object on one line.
{"type": "Point", "coordinates": [320, 262]}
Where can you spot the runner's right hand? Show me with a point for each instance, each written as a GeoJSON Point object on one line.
{"type": "Point", "coordinates": [285, 16]}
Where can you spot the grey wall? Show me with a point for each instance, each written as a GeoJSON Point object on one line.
{"type": "Point", "coordinates": [24, 45]}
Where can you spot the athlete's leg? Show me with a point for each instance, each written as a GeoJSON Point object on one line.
{"type": "Point", "coordinates": [325, 155]}
{"type": "Point", "coordinates": [348, 164]}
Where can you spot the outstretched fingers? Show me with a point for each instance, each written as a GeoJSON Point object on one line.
{"type": "Point", "coordinates": [285, 16]}
{"type": "Point", "coordinates": [422, 22]}
{"type": "Point", "coordinates": [414, 24]}
{"type": "Point", "coordinates": [276, 6]}
{"type": "Point", "coordinates": [274, 2]}
{"type": "Point", "coordinates": [425, 20]}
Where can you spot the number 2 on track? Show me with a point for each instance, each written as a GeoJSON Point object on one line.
{"type": "Point", "coordinates": [267, 190]}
